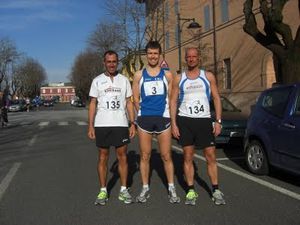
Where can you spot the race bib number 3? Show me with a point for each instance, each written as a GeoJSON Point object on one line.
{"type": "Point", "coordinates": [154, 88]}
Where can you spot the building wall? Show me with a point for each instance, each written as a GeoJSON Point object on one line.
{"type": "Point", "coordinates": [251, 64]}
{"type": "Point", "coordinates": [66, 93]}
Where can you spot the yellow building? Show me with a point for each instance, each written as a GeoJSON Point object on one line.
{"type": "Point", "coordinates": [243, 67]}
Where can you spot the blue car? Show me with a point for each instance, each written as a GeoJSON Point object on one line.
{"type": "Point", "coordinates": [273, 131]}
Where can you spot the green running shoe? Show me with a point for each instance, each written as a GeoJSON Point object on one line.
{"type": "Point", "coordinates": [125, 196]}
{"type": "Point", "coordinates": [102, 198]}
{"type": "Point", "coordinates": [191, 197]}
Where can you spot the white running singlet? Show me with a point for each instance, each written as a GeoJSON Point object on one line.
{"type": "Point", "coordinates": [111, 97]}
{"type": "Point", "coordinates": [194, 96]}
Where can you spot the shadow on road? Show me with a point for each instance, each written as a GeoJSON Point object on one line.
{"type": "Point", "coordinates": [133, 159]}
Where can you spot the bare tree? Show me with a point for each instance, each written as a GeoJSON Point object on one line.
{"type": "Point", "coordinates": [277, 37]}
{"type": "Point", "coordinates": [86, 67]}
{"type": "Point", "coordinates": [29, 77]}
{"type": "Point", "coordinates": [105, 36]}
{"type": "Point", "coordinates": [8, 54]}
{"type": "Point", "coordinates": [130, 16]}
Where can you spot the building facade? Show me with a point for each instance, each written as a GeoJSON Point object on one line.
{"type": "Point", "coordinates": [65, 92]}
{"type": "Point", "coordinates": [242, 66]}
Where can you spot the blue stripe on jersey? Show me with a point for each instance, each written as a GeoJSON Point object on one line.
{"type": "Point", "coordinates": [154, 105]}
{"type": "Point", "coordinates": [206, 87]}
{"type": "Point", "coordinates": [181, 91]}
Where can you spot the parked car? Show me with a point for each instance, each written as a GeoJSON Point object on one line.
{"type": "Point", "coordinates": [78, 103]}
{"type": "Point", "coordinates": [234, 123]}
{"type": "Point", "coordinates": [48, 103]}
{"type": "Point", "coordinates": [17, 105]}
{"type": "Point", "coordinates": [273, 131]}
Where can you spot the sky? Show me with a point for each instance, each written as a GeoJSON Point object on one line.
{"type": "Point", "coordinates": [53, 32]}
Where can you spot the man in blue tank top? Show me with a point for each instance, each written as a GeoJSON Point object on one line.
{"type": "Point", "coordinates": [192, 124]}
{"type": "Point", "coordinates": [151, 88]}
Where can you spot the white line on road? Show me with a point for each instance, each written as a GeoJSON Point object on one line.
{"type": "Point", "coordinates": [249, 177]}
{"type": "Point", "coordinates": [231, 158]}
{"type": "Point", "coordinates": [81, 123]}
{"type": "Point", "coordinates": [8, 178]}
{"type": "Point", "coordinates": [63, 123]}
{"type": "Point", "coordinates": [43, 124]}
{"type": "Point", "coordinates": [32, 140]}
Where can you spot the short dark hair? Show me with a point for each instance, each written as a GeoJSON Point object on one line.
{"type": "Point", "coordinates": [153, 45]}
{"type": "Point", "coordinates": [110, 52]}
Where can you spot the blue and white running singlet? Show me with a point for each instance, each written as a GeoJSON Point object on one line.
{"type": "Point", "coordinates": [194, 96]}
{"type": "Point", "coordinates": [154, 95]}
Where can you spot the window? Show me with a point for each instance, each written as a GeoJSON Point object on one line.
{"type": "Point", "coordinates": [58, 90]}
{"type": "Point", "coordinates": [73, 90]}
{"type": "Point", "coordinates": [224, 11]}
{"type": "Point", "coordinates": [66, 90]}
{"type": "Point", "coordinates": [297, 108]}
{"type": "Point", "coordinates": [206, 17]}
{"type": "Point", "coordinates": [44, 91]}
{"type": "Point", "coordinates": [275, 101]}
{"type": "Point", "coordinates": [227, 73]}
{"type": "Point", "coordinates": [167, 40]}
{"type": "Point", "coordinates": [50, 91]}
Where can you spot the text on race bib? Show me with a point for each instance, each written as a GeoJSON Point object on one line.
{"type": "Point", "coordinates": [154, 88]}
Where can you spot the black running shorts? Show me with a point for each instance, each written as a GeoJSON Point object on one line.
{"type": "Point", "coordinates": [195, 131]}
{"type": "Point", "coordinates": [153, 124]}
{"type": "Point", "coordinates": [111, 136]}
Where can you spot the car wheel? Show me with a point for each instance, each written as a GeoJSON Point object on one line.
{"type": "Point", "coordinates": [256, 158]}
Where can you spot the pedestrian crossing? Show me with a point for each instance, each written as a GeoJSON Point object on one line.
{"type": "Point", "coordinates": [62, 123]}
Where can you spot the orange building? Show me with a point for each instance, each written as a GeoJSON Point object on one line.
{"type": "Point", "coordinates": [66, 92]}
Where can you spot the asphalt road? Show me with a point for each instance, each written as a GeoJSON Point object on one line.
{"type": "Point", "coordinates": [48, 176]}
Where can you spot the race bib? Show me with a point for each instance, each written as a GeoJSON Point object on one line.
{"type": "Point", "coordinates": [154, 87]}
{"type": "Point", "coordinates": [195, 108]}
{"type": "Point", "coordinates": [112, 102]}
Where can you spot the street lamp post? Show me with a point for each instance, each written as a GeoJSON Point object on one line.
{"type": "Point", "coordinates": [192, 25]}
{"type": "Point", "coordinates": [214, 38]}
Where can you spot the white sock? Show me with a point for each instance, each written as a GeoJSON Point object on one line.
{"type": "Point", "coordinates": [171, 185]}
{"type": "Point", "coordinates": [123, 188]}
{"type": "Point", "coordinates": [146, 186]}
{"type": "Point", "coordinates": [103, 189]}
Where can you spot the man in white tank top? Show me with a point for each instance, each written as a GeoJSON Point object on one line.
{"type": "Point", "coordinates": [192, 124]}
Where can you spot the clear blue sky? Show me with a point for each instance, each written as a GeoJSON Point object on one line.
{"type": "Point", "coordinates": [53, 32]}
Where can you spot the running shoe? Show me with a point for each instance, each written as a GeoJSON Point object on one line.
{"type": "Point", "coordinates": [102, 198]}
{"type": "Point", "coordinates": [191, 197]}
{"type": "Point", "coordinates": [218, 197]}
{"type": "Point", "coordinates": [143, 196]}
{"type": "Point", "coordinates": [173, 198]}
{"type": "Point", "coordinates": [125, 196]}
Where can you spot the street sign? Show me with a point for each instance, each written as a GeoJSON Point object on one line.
{"type": "Point", "coordinates": [164, 65]}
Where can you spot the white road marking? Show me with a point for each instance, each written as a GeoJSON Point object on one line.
{"type": "Point", "coordinates": [8, 178]}
{"type": "Point", "coordinates": [231, 158]}
{"type": "Point", "coordinates": [32, 140]}
{"type": "Point", "coordinates": [43, 124]}
{"type": "Point", "coordinates": [63, 123]}
{"type": "Point", "coordinates": [249, 177]}
{"type": "Point", "coordinates": [81, 123]}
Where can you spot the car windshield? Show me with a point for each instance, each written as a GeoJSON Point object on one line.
{"type": "Point", "coordinates": [15, 102]}
{"type": "Point", "coordinates": [227, 106]}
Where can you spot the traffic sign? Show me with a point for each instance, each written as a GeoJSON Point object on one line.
{"type": "Point", "coordinates": [164, 65]}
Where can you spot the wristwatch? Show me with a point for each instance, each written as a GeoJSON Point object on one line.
{"type": "Point", "coordinates": [219, 121]}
